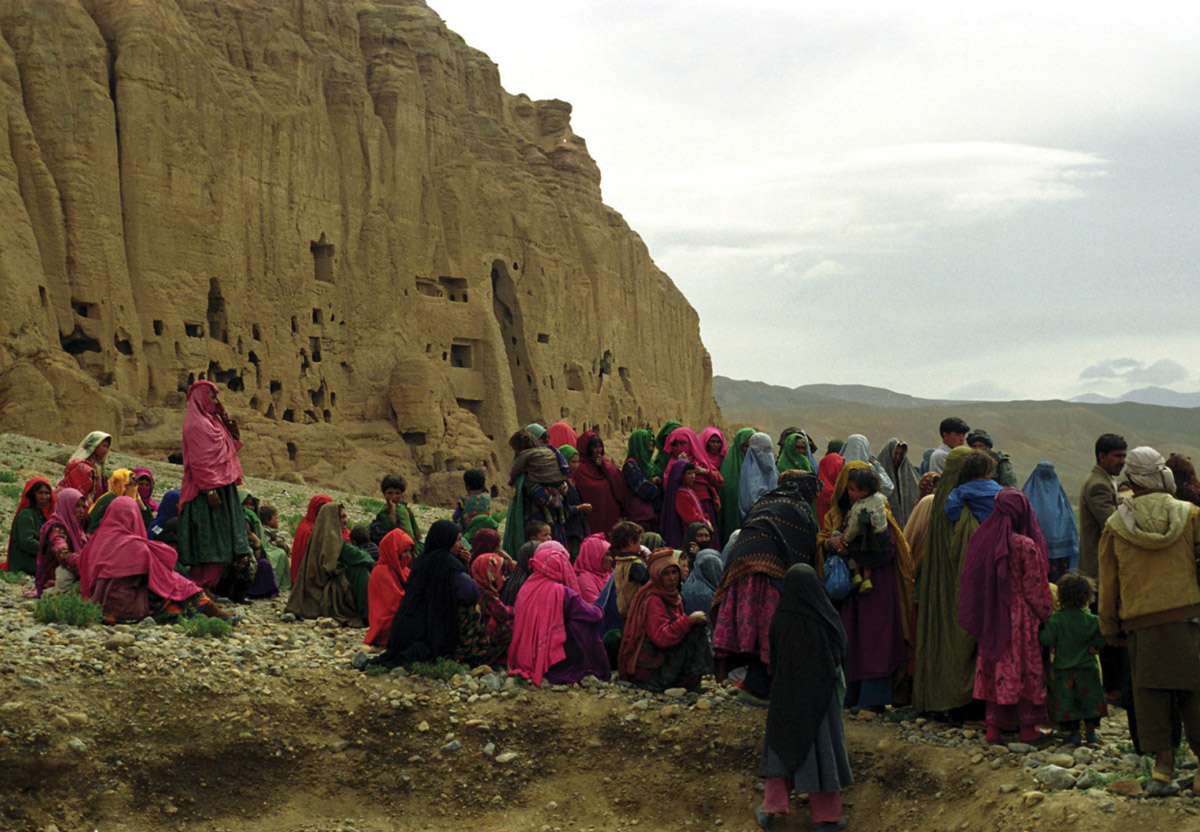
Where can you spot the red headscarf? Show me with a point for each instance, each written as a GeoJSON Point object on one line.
{"type": "Point", "coordinates": [25, 503]}
{"type": "Point", "coordinates": [304, 531]}
{"type": "Point", "coordinates": [120, 548]}
{"type": "Point", "coordinates": [827, 473]}
{"type": "Point", "coordinates": [488, 572]}
{"type": "Point", "coordinates": [603, 487]}
{"type": "Point", "coordinates": [539, 628]}
{"type": "Point", "coordinates": [385, 589]}
{"type": "Point", "coordinates": [635, 621]}
{"type": "Point", "coordinates": [209, 451]}
{"type": "Point", "coordinates": [588, 566]}
{"type": "Point", "coordinates": [485, 542]}
{"type": "Point", "coordinates": [560, 433]}
{"type": "Point", "coordinates": [716, 459]}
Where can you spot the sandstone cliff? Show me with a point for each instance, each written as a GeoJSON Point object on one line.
{"type": "Point", "coordinates": [332, 208]}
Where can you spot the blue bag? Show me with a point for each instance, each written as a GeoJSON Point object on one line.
{"type": "Point", "coordinates": [837, 577]}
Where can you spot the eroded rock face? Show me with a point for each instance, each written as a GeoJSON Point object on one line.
{"type": "Point", "coordinates": [335, 211]}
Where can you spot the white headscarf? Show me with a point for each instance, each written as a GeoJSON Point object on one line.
{"type": "Point", "coordinates": [1145, 468]}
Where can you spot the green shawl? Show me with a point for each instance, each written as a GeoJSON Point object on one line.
{"type": "Point", "coordinates": [568, 451]}
{"type": "Point", "coordinates": [730, 517]}
{"type": "Point", "coordinates": [641, 451]}
{"type": "Point", "coordinates": [514, 523]}
{"type": "Point", "coordinates": [792, 459]}
{"type": "Point", "coordinates": [478, 522]}
{"type": "Point", "coordinates": [945, 654]}
{"type": "Point", "coordinates": [661, 457]}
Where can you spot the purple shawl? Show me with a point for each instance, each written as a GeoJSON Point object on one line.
{"type": "Point", "coordinates": [670, 527]}
{"type": "Point", "coordinates": [985, 594]}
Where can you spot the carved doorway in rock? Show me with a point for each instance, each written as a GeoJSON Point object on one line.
{"type": "Point", "coordinates": [512, 330]}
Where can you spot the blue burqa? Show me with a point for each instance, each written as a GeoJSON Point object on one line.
{"type": "Point", "coordinates": [1054, 513]}
{"type": "Point", "coordinates": [759, 474]}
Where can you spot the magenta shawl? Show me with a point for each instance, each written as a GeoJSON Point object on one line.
{"type": "Point", "coordinates": [985, 594]}
{"type": "Point", "coordinates": [707, 434]}
{"type": "Point", "coordinates": [120, 548]}
{"type": "Point", "coordinates": [603, 487]}
{"type": "Point", "coordinates": [209, 452]}
{"type": "Point", "coordinates": [694, 450]}
{"type": "Point", "coordinates": [588, 566]}
{"type": "Point", "coordinates": [539, 625]}
{"type": "Point", "coordinates": [63, 515]}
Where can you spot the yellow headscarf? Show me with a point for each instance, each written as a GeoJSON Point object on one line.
{"type": "Point", "coordinates": [119, 485]}
{"type": "Point", "coordinates": [903, 557]}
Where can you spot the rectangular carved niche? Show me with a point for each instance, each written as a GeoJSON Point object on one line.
{"type": "Point", "coordinates": [455, 288]}
{"type": "Point", "coordinates": [428, 288]}
{"type": "Point", "coordinates": [462, 355]}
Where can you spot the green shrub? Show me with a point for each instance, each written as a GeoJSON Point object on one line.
{"type": "Point", "coordinates": [371, 505]}
{"type": "Point", "coordinates": [12, 577]}
{"type": "Point", "coordinates": [204, 627]}
{"type": "Point", "coordinates": [69, 608]}
{"type": "Point", "coordinates": [443, 669]}
{"type": "Point", "coordinates": [12, 492]}
{"type": "Point", "coordinates": [7, 476]}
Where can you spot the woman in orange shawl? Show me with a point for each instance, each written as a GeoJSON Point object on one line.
{"type": "Point", "coordinates": [304, 531]}
{"type": "Point", "coordinates": [385, 589]}
{"type": "Point", "coordinates": [877, 624]}
{"type": "Point", "coordinates": [661, 645]}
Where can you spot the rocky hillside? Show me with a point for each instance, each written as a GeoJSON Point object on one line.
{"type": "Point", "coordinates": [335, 210]}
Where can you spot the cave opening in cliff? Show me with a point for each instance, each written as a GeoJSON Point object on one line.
{"type": "Point", "coordinates": [507, 310]}
{"type": "Point", "coordinates": [218, 325]}
{"type": "Point", "coordinates": [322, 254]}
{"type": "Point", "coordinates": [77, 343]}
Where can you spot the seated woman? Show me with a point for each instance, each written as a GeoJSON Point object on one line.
{"type": "Point", "coordinates": [425, 626]}
{"type": "Point", "coordinates": [333, 577]}
{"type": "Point", "coordinates": [85, 470]}
{"type": "Point", "coordinates": [168, 510]}
{"type": "Point", "coordinates": [120, 484]}
{"type": "Point", "coordinates": [556, 634]}
{"type": "Point", "coordinates": [385, 590]}
{"type": "Point", "coordinates": [145, 485]}
{"type": "Point", "coordinates": [698, 588]}
{"type": "Point", "coordinates": [485, 629]}
{"type": "Point", "coordinates": [264, 585]}
{"type": "Point", "coordinates": [593, 566]}
{"type": "Point", "coordinates": [133, 577]}
{"type": "Point", "coordinates": [60, 540]}
{"type": "Point", "coordinates": [33, 510]}
{"type": "Point", "coordinates": [662, 646]}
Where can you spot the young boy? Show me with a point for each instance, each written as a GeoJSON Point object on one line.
{"type": "Point", "coordinates": [360, 536]}
{"type": "Point", "coordinates": [868, 517]}
{"type": "Point", "coordinates": [475, 502]}
{"type": "Point", "coordinates": [276, 549]}
{"type": "Point", "coordinates": [538, 531]}
{"type": "Point", "coordinates": [396, 514]}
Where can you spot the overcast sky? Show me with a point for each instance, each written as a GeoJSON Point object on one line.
{"type": "Point", "coordinates": [947, 201]}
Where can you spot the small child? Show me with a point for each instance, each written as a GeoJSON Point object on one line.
{"type": "Point", "coordinates": [360, 536]}
{"type": "Point", "coordinates": [1076, 692]}
{"type": "Point", "coordinates": [977, 490]}
{"type": "Point", "coordinates": [396, 514]}
{"type": "Point", "coordinates": [475, 502]}
{"type": "Point", "coordinates": [538, 531]}
{"type": "Point", "coordinates": [868, 517]}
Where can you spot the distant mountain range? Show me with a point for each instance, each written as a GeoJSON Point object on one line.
{"type": "Point", "coordinates": [1160, 396]}
{"type": "Point", "coordinates": [1062, 432]}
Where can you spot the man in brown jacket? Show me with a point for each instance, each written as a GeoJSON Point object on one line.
{"type": "Point", "coordinates": [1149, 591]}
{"type": "Point", "coordinates": [1097, 502]}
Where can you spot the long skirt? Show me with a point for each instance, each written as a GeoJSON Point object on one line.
{"type": "Point", "coordinates": [213, 535]}
{"type": "Point", "coordinates": [826, 768]}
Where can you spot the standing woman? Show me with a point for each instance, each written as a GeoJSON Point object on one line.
{"type": "Point", "coordinates": [1003, 601]}
{"type": "Point", "coordinates": [804, 749]}
{"type": "Point", "coordinates": [684, 444]}
{"type": "Point", "coordinates": [85, 470]}
{"type": "Point", "coordinates": [827, 473]}
{"type": "Point", "coordinates": [212, 527]}
{"type": "Point", "coordinates": [643, 482]}
{"type": "Point", "coordinates": [794, 454]}
{"type": "Point", "coordinates": [856, 447]}
{"type": "Point", "coordinates": [729, 518]}
{"type": "Point", "coordinates": [904, 476]}
{"type": "Point", "coordinates": [713, 442]}
{"type": "Point", "coordinates": [759, 474]}
{"type": "Point", "coordinates": [600, 484]}
{"type": "Point", "coordinates": [576, 526]}
{"type": "Point", "coordinates": [24, 537]}
{"type": "Point", "coordinates": [1056, 518]}
{"type": "Point", "coordinates": [662, 457]}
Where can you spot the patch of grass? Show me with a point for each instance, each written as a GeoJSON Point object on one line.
{"type": "Point", "coordinates": [899, 714]}
{"type": "Point", "coordinates": [291, 521]}
{"type": "Point", "coordinates": [7, 476]}
{"type": "Point", "coordinates": [297, 499]}
{"type": "Point", "coordinates": [443, 669]}
{"type": "Point", "coordinates": [376, 670]}
{"type": "Point", "coordinates": [204, 627]}
{"type": "Point", "coordinates": [12, 577]}
{"type": "Point", "coordinates": [69, 609]}
{"type": "Point", "coordinates": [12, 492]}
{"type": "Point", "coordinates": [1102, 780]}
{"type": "Point", "coordinates": [371, 505]}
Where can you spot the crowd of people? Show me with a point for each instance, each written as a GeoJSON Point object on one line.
{"type": "Point", "coordinates": [849, 580]}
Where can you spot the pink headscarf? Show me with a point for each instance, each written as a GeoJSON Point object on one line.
{"type": "Point", "coordinates": [694, 450]}
{"type": "Point", "coordinates": [560, 433]}
{"type": "Point", "coordinates": [63, 515]}
{"type": "Point", "coordinates": [120, 548]}
{"type": "Point", "coordinates": [588, 568]}
{"type": "Point", "coordinates": [209, 451]}
{"type": "Point", "coordinates": [145, 491]}
{"type": "Point", "coordinates": [539, 626]}
{"type": "Point", "coordinates": [707, 434]}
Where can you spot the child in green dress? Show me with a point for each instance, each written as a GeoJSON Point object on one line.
{"type": "Point", "coordinates": [1076, 692]}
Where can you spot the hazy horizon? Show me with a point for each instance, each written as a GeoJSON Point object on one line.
{"type": "Point", "coordinates": [935, 200]}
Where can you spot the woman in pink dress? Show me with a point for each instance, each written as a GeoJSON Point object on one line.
{"type": "Point", "coordinates": [1005, 596]}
